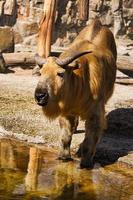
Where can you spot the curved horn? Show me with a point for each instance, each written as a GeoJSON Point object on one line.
{"type": "Point", "coordinates": [68, 60]}
{"type": "Point", "coordinates": [39, 60]}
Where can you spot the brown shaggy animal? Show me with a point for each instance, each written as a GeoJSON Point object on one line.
{"type": "Point", "coordinates": [78, 84]}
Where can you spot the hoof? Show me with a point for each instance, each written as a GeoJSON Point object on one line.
{"type": "Point", "coordinates": [65, 159]}
{"type": "Point", "coordinates": [86, 165]}
{"type": "Point", "coordinates": [78, 153]}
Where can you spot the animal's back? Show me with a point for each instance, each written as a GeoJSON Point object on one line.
{"type": "Point", "coordinates": [100, 40]}
{"type": "Point", "coordinates": [98, 35]}
{"type": "Point", "coordinates": [101, 63]}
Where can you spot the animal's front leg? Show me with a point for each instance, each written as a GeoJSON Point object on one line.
{"type": "Point", "coordinates": [68, 126]}
{"type": "Point", "coordinates": [94, 128]}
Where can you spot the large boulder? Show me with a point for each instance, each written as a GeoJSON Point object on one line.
{"type": "Point", "coordinates": [8, 12]}
{"type": "Point", "coordinates": [9, 7]}
{"type": "Point", "coordinates": [6, 39]}
{"type": "Point", "coordinates": [26, 28]}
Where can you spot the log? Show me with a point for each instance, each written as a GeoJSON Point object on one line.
{"type": "Point", "coordinates": [46, 28]}
{"type": "Point", "coordinates": [13, 59]}
{"type": "Point", "coordinates": [83, 9]}
{"type": "Point", "coordinates": [20, 58]}
{"type": "Point", "coordinates": [124, 81]}
{"type": "Point", "coordinates": [125, 65]}
{"type": "Point", "coordinates": [27, 58]}
{"type": "Point", "coordinates": [127, 72]}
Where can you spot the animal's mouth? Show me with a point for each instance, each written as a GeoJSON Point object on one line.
{"type": "Point", "coordinates": [42, 98]}
{"type": "Point", "coordinates": [42, 103]}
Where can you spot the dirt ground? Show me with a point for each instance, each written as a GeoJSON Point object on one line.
{"type": "Point", "coordinates": [21, 118]}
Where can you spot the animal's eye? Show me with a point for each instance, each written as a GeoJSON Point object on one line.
{"type": "Point", "coordinates": [60, 74]}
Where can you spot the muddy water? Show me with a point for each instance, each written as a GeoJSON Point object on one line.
{"type": "Point", "coordinates": [32, 173]}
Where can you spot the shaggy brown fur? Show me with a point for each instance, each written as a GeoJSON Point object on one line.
{"type": "Point", "coordinates": [82, 92]}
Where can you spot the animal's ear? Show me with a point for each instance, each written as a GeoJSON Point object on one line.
{"type": "Point", "coordinates": [74, 65]}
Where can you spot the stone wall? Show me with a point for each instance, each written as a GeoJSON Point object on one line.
{"type": "Point", "coordinates": [116, 14]}
{"type": "Point", "coordinates": [22, 18]}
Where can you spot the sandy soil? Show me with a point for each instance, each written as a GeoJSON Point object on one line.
{"type": "Point", "coordinates": [21, 118]}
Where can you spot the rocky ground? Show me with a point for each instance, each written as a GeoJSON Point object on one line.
{"type": "Point", "coordinates": [21, 118]}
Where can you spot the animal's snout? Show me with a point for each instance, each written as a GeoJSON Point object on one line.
{"type": "Point", "coordinates": [41, 97]}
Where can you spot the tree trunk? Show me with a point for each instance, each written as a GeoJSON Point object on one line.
{"type": "Point", "coordinates": [83, 9]}
{"type": "Point", "coordinates": [46, 28]}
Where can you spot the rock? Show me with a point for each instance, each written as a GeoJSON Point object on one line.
{"type": "Point", "coordinates": [116, 5]}
{"type": "Point", "coordinates": [30, 40]}
{"type": "Point", "coordinates": [130, 32]}
{"type": "Point", "coordinates": [26, 14]}
{"type": "Point", "coordinates": [26, 28]}
{"type": "Point", "coordinates": [2, 64]}
{"type": "Point", "coordinates": [122, 50]}
{"type": "Point", "coordinates": [8, 12]}
{"type": "Point", "coordinates": [25, 48]}
{"type": "Point", "coordinates": [94, 5]}
{"type": "Point", "coordinates": [30, 11]}
{"type": "Point", "coordinates": [127, 160]}
{"type": "Point", "coordinates": [9, 7]}
{"type": "Point", "coordinates": [1, 7]}
{"type": "Point", "coordinates": [128, 3]}
{"type": "Point", "coordinates": [71, 35]}
{"type": "Point", "coordinates": [6, 39]}
{"type": "Point", "coordinates": [109, 19]}
{"type": "Point", "coordinates": [99, 6]}
{"type": "Point", "coordinates": [117, 25]}
{"type": "Point", "coordinates": [17, 37]}
{"type": "Point", "coordinates": [58, 42]}
{"type": "Point", "coordinates": [92, 15]}
{"type": "Point", "coordinates": [36, 14]}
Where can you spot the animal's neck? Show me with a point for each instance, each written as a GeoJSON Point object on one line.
{"type": "Point", "coordinates": [73, 92]}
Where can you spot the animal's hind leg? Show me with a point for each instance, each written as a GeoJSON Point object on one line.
{"type": "Point", "coordinates": [68, 126]}
{"type": "Point", "coordinates": [94, 126]}
{"type": "Point", "coordinates": [78, 153]}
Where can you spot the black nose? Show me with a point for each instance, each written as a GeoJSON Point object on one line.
{"type": "Point", "coordinates": [41, 97]}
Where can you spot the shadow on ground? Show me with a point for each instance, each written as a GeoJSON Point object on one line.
{"type": "Point", "coordinates": [118, 139]}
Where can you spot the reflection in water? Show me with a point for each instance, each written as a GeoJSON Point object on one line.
{"type": "Point", "coordinates": [34, 167]}
{"type": "Point", "coordinates": [30, 173]}
{"type": "Point", "coordinates": [7, 158]}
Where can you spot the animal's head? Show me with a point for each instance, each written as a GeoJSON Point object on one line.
{"type": "Point", "coordinates": [54, 75]}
